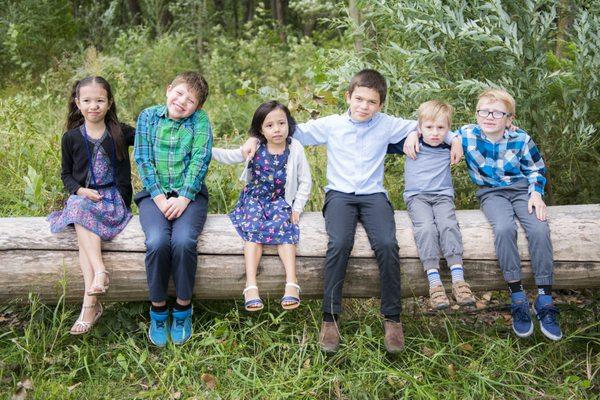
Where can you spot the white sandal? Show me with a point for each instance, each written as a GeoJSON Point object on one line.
{"type": "Point", "coordinates": [87, 326]}
{"type": "Point", "coordinates": [96, 290]}
{"type": "Point", "coordinates": [292, 301]}
{"type": "Point", "coordinates": [252, 304]}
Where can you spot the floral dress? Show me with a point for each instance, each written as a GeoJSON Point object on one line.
{"type": "Point", "coordinates": [106, 217]}
{"type": "Point", "coordinates": [262, 215]}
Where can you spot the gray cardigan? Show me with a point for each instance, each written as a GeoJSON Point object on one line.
{"type": "Point", "coordinates": [298, 179]}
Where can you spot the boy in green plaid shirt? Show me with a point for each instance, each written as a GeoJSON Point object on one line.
{"type": "Point", "coordinates": [172, 151]}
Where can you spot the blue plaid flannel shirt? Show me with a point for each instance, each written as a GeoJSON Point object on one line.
{"type": "Point", "coordinates": [512, 158]}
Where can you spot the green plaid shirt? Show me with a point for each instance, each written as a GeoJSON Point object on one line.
{"type": "Point", "coordinates": [172, 155]}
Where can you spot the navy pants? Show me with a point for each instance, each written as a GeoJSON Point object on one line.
{"type": "Point", "coordinates": [342, 212]}
{"type": "Point", "coordinates": [171, 246]}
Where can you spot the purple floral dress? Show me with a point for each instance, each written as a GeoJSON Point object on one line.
{"type": "Point", "coordinates": [107, 217]}
{"type": "Point", "coordinates": [261, 214]}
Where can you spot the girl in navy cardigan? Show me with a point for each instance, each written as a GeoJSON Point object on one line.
{"type": "Point", "coordinates": [97, 174]}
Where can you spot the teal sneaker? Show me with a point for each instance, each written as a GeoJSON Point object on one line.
{"type": "Point", "coordinates": [158, 333]}
{"type": "Point", "coordinates": [181, 328]}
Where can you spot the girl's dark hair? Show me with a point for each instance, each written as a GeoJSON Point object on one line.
{"type": "Point", "coordinates": [75, 118]}
{"type": "Point", "coordinates": [261, 113]}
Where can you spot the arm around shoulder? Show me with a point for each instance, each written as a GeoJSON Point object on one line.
{"type": "Point", "coordinates": [228, 156]}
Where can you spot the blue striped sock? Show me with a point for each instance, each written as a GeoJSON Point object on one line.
{"type": "Point", "coordinates": [433, 275]}
{"type": "Point", "coordinates": [457, 273]}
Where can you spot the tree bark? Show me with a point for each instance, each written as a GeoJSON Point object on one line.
{"type": "Point", "coordinates": [354, 13]}
{"type": "Point", "coordinates": [135, 10]}
{"type": "Point", "coordinates": [564, 24]}
{"type": "Point", "coordinates": [34, 260]}
{"type": "Point", "coordinates": [249, 10]}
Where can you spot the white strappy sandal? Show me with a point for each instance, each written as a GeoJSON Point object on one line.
{"type": "Point", "coordinates": [252, 304]}
{"type": "Point", "coordinates": [96, 289]}
{"type": "Point", "coordinates": [291, 302]}
{"type": "Point", "coordinates": [87, 326]}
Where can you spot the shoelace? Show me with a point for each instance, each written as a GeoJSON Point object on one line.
{"type": "Point", "coordinates": [548, 314]}
{"type": "Point", "coordinates": [521, 311]}
{"type": "Point", "coordinates": [160, 324]}
{"type": "Point", "coordinates": [180, 323]}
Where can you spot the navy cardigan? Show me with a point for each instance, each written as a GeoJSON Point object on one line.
{"type": "Point", "coordinates": [75, 162]}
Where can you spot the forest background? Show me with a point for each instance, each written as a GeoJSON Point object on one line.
{"type": "Point", "coordinates": [303, 53]}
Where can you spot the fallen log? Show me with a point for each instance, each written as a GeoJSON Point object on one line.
{"type": "Point", "coordinates": [34, 260]}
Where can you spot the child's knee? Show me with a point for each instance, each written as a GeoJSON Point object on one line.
{"type": "Point", "coordinates": [505, 230]}
{"type": "Point", "coordinates": [184, 243]}
{"type": "Point", "coordinates": [157, 243]}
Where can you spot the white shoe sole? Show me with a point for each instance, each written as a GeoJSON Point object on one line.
{"type": "Point", "coordinates": [546, 333]}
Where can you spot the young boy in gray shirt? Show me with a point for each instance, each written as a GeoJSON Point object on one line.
{"type": "Point", "coordinates": [429, 197]}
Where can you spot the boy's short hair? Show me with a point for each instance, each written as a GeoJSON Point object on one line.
{"type": "Point", "coordinates": [195, 82]}
{"type": "Point", "coordinates": [371, 79]}
{"type": "Point", "coordinates": [431, 110]}
{"type": "Point", "coordinates": [499, 95]}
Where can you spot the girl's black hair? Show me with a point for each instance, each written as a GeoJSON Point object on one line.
{"type": "Point", "coordinates": [261, 113]}
{"type": "Point", "coordinates": [75, 118]}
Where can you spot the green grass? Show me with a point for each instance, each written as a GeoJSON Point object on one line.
{"type": "Point", "coordinates": [275, 355]}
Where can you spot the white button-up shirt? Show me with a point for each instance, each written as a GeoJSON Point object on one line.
{"type": "Point", "coordinates": [355, 150]}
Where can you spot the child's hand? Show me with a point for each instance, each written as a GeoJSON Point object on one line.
{"type": "Point", "coordinates": [91, 194]}
{"type": "Point", "coordinates": [535, 201]}
{"type": "Point", "coordinates": [295, 217]}
{"type": "Point", "coordinates": [176, 206]}
{"type": "Point", "coordinates": [411, 145]}
{"type": "Point", "coordinates": [249, 148]}
{"type": "Point", "coordinates": [456, 151]}
{"type": "Point", "coordinates": [161, 203]}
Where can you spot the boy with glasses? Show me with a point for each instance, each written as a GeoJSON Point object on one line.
{"type": "Point", "coordinates": [509, 170]}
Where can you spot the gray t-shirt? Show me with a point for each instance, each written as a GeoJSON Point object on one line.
{"type": "Point", "coordinates": [429, 173]}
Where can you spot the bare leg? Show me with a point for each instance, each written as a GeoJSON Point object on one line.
{"type": "Point", "coordinates": [87, 314]}
{"type": "Point", "coordinates": [287, 253]}
{"type": "Point", "coordinates": [252, 255]}
{"type": "Point", "coordinates": [91, 244]}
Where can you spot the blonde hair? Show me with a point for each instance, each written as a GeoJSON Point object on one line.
{"type": "Point", "coordinates": [431, 110]}
{"type": "Point", "coordinates": [499, 95]}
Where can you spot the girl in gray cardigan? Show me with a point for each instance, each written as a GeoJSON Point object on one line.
{"type": "Point", "coordinates": [278, 184]}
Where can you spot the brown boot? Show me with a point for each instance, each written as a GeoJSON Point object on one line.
{"type": "Point", "coordinates": [394, 336]}
{"type": "Point", "coordinates": [329, 338]}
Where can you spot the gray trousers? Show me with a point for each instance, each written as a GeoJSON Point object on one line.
{"type": "Point", "coordinates": [435, 229]}
{"type": "Point", "coordinates": [501, 205]}
{"type": "Point", "coordinates": [342, 212]}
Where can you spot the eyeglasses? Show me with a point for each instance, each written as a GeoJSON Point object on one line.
{"type": "Point", "coordinates": [495, 114]}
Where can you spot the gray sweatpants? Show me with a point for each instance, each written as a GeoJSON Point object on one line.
{"type": "Point", "coordinates": [500, 205]}
{"type": "Point", "coordinates": [435, 229]}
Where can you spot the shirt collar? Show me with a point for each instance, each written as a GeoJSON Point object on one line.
{"type": "Point", "coordinates": [162, 111]}
{"type": "Point", "coordinates": [362, 123]}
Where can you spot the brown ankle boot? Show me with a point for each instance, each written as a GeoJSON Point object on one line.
{"type": "Point", "coordinates": [329, 338]}
{"type": "Point", "coordinates": [394, 336]}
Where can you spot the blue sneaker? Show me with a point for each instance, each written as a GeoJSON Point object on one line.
{"type": "Point", "coordinates": [546, 313]}
{"type": "Point", "coordinates": [158, 333]}
{"type": "Point", "coordinates": [521, 316]}
{"type": "Point", "coordinates": [181, 328]}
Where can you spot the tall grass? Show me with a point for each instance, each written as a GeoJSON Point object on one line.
{"type": "Point", "coordinates": [275, 355]}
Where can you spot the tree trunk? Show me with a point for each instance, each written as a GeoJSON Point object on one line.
{"type": "Point", "coordinates": [135, 10]}
{"type": "Point", "coordinates": [565, 22]}
{"type": "Point", "coordinates": [220, 8]}
{"type": "Point", "coordinates": [354, 13]}
{"type": "Point", "coordinates": [278, 8]}
{"type": "Point", "coordinates": [34, 260]}
{"type": "Point", "coordinates": [249, 10]}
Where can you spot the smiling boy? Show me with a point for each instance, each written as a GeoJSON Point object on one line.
{"type": "Point", "coordinates": [356, 143]}
{"type": "Point", "coordinates": [173, 145]}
